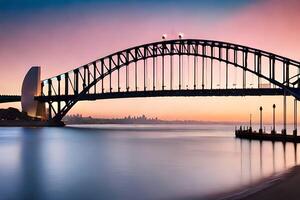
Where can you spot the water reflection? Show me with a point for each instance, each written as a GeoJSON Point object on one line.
{"type": "Point", "coordinates": [273, 158]}
{"type": "Point", "coordinates": [31, 165]}
{"type": "Point", "coordinates": [260, 157]}
{"type": "Point", "coordinates": [151, 162]}
{"type": "Point", "coordinates": [281, 158]}
{"type": "Point", "coordinates": [295, 150]}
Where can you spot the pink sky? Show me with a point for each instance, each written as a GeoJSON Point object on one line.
{"type": "Point", "coordinates": [58, 46]}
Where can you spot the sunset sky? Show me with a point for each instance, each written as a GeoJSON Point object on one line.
{"type": "Point", "coordinates": [59, 35]}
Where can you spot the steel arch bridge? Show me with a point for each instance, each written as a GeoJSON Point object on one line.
{"type": "Point", "coordinates": [182, 67]}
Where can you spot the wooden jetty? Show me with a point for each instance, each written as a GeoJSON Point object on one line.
{"type": "Point", "coordinates": [253, 135]}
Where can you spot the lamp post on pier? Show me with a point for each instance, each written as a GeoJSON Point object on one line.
{"type": "Point", "coordinates": [284, 114]}
{"type": "Point", "coordinates": [295, 118]}
{"type": "Point", "coordinates": [273, 129]}
{"type": "Point", "coordinates": [260, 129]}
{"type": "Point", "coordinates": [250, 129]}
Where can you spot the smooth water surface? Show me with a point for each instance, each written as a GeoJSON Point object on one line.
{"type": "Point", "coordinates": [133, 161]}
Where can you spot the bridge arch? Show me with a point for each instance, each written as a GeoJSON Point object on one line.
{"type": "Point", "coordinates": [62, 92]}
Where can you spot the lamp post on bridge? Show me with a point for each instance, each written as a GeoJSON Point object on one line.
{"type": "Point", "coordinates": [273, 130]}
{"type": "Point", "coordinates": [180, 35]}
{"type": "Point", "coordinates": [260, 129]}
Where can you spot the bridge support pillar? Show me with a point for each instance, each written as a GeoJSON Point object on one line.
{"type": "Point", "coordinates": [54, 123]}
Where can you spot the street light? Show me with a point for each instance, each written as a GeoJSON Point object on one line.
{"type": "Point", "coordinates": [250, 129]}
{"type": "Point", "coordinates": [273, 131]}
{"type": "Point", "coordinates": [180, 35]}
{"type": "Point", "coordinates": [295, 118]}
{"type": "Point", "coordinates": [164, 36]}
{"type": "Point", "coordinates": [260, 109]}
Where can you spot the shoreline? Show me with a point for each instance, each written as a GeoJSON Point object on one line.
{"type": "Point", "coordinates": [281, 185]}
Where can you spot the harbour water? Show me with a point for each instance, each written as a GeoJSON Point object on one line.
{"type": "Point", "coordinates": [133, 161]}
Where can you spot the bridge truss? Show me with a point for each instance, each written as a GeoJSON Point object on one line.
{"type": "Point", "coordinates": [183, 67]}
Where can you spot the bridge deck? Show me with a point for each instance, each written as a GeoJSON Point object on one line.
{"type": "Point", "coordinates": [168, 93]}
{"type": "Point", "coordinates": [158, 93]}
{"type": "Point", "coordinates": [9, 98]}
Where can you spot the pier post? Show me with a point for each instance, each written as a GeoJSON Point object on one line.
{"type": "Point", "coordinates": [250, 128]}
{"type": "Point", "coordinates": [273, 130]}
{"type": "Point", "coordinates": [295, 117]}
{"type": "Point", "coordinates": [260, 129]}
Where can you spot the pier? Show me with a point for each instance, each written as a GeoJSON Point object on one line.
{"type": "Point", "coordinates": [254, 135]}
{"type": "Point", "coordinates": [250, 134]}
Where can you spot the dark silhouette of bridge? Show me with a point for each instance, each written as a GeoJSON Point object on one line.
{"type": "Point", "coordinates": [182, 67]}
{"type": "Point", "coordinates": [9, 98]}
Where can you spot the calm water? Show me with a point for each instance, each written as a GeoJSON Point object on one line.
{"type": "Point", "coordinates": [133, 161]}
